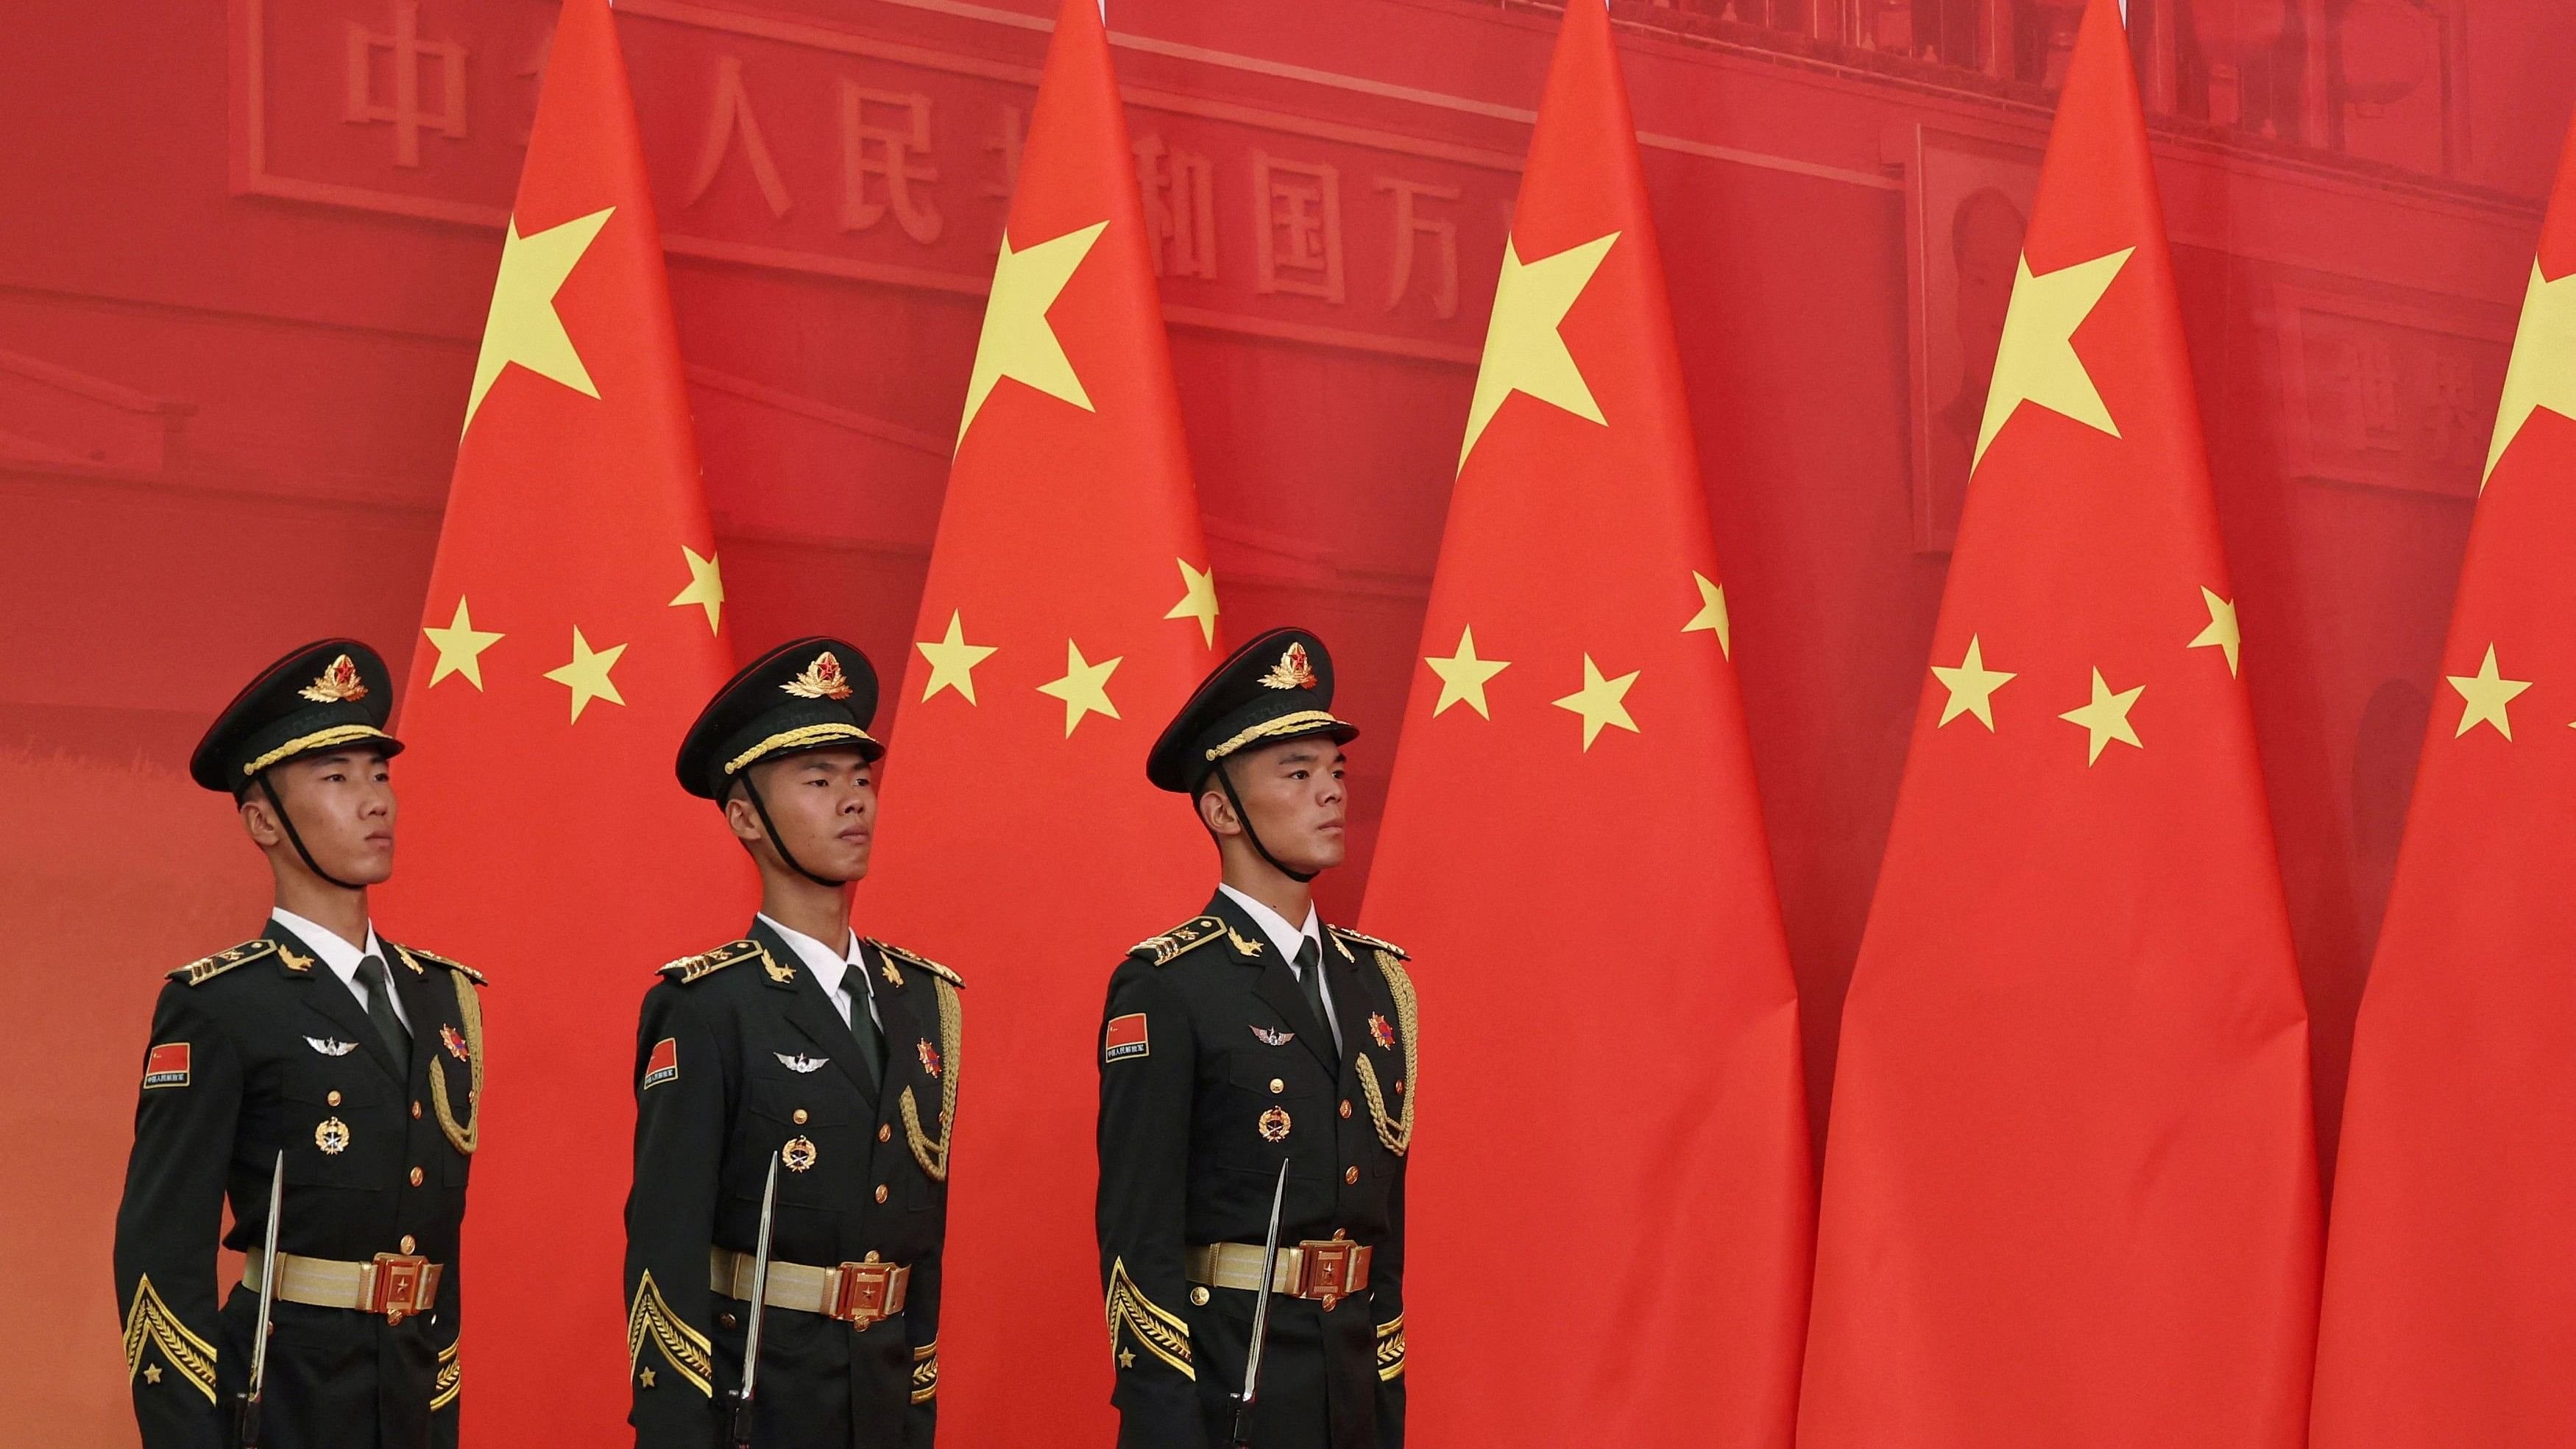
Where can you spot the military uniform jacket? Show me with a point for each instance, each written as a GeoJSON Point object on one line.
{"type": "Point", "coordinates": [1213, 1070]}
{"type": "Point", "coordinates": [260, 1049]}
{"type": "Point", "coordinates": [741, 1058]}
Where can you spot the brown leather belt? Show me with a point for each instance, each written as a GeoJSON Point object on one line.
{"type": "Point", "coordinates": [393, 1284]}
{"type": "Point", "coordinates": [858, 1294]}
{"type": "Point", "coordinates": [1327, 1272]}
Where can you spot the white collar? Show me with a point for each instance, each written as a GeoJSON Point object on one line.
{"type": "Point", "coordinates": [1276, 927]}
{"type": "Point", "coordinates": [336, 953]}
{"type": "Point", "coordinates": [827, 966]}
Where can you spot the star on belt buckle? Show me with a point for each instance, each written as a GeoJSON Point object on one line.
{"type": "Point", "coordinates": [393, 1287]}
{"type": "Point", "coordinates": [1331, 1271]}
{"type": "Point", "coordinates": [864, 1296]}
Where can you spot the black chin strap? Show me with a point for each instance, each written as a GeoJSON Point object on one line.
{"type": "Point", "coordinates": [776, 844]}
{"type": "Point", "coordinates": [1299, 876]}
{"type": "Point", "coordinates": [288, 821]}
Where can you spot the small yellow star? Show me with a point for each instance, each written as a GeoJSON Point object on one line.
{"type": "Point", "coordinates": [1198, 599]}
{"type": "Point", "coordinates": [2542, 373]}
{"type": "Point", "coordinates": [1523, 350]}
{"type": "Point", "coordinates": [2222, 632]}
{"type": "Point", "coordinates": [953, 660]}
{"type": "Point", "coordinates": [645, 1378]}
{"type": "Point", "coordinates": [1084, 687]}
{"type": "Point", "coordinates": [460, 647]}
{"type": "Point", "coordinates": [1972, 686]}
{"type": "Point", "coordinates": [1017, 340]}
{"type": "Point", "coordinates": [523, 326]}
{"type": "Point", "coordinates": [2106, 718]}
{"type": "Point", "coordinates": [152, 1373]}
{"type": "Point", "coordinates": [1601, 701]}
{"type": "Point", "coordinates": [1463, 676]}
{"type": "Point", "coordinates": [2485, 695]}
{"type": "Point", "coordinates": [1712, 614]}
{"type": "Point", "coordinates": [706, 586]}
{"type": "Point", "coordinates": [587, 675]}
{"type": "Point", "coordinates": [1126, 1358]}
{"type": "Point", "coordinates": [2036, 361]}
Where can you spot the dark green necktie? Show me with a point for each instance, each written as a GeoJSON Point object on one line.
{"type": "Point", "coordinates": [863, 1024]}
{"type": "Point", "coordinates": [1310, 980]}
{"type": "Point", "coordinates": [380, 1010]}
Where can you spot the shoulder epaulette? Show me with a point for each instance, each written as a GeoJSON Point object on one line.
{"type": "Point", "coordinates": [459, 967]}
{"type": "Point", "coordinates": [1372, 942]}
{"type": "Point", "coordinates": [207, 968]}
{"type": "Point", "coordinates": [707, 963]}
{"type": "Point", "coordinates": [1187, 936]}
{"type": "Point", "coordinates": [915, 958]}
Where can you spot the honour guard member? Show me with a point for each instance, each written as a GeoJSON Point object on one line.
{"type": "Point", "coordinates": [1240, 1040]}
{"type": "Point", "coordinates": [359, 1059]}
{"type": "Point", "coordinates": [832, 1055]}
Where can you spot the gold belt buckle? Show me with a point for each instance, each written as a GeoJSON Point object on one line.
{"type": "Point", "coordinates": [393, 1285]}
{"type": "Point", "coordinates": [1329, 1272]}
{"type": "Point", "coordinates": [865, 1294]}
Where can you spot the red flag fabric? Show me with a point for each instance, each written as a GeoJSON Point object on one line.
{"type": "Point", "coordinates": [1069, 610]}
{"type": "Point", "coordinates": [2069, 1189]}
{"type": "Point", "coordinates": [1574, 852]}
{"type": "Point", "coordinates": [2450, 1301]}
{"type": "Point", "coordinates": [574, 626]}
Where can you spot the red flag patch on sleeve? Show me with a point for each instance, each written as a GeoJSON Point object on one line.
{"type": "Point", "coordinates": [1126, 1038]}
{"type": "Point", "coordinates": [664, 1065]}
{"type": "Point", "coordinates": [166, 1065]}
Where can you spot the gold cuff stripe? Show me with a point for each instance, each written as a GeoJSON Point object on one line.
{"type": "Point", "coordinates": [933, 1156]}
{"type": "Point", "coordinates": [469, 1010]}
{"type": "Point", "coordinates": [1285, 724]}
{"type": "Point", "coordinates": [450, 1382]}
{"type": "Point", "coordinates": [683, 1347]}
{"type": "Point", "coordinates": [1390, 1349]}
{"type": "Point", "coordinates": [150, 1321]}
{"type": "Point", "coordinates": [795, 738]}
{"type": "Point", "coordinates": [1155, 1331]}
{"type": "Point", "coordinates": [925, 1372]}
{"type": "Point", "coordinates": [335, 735]}
{"type": "Point", "coordinates": [1394, 1131]}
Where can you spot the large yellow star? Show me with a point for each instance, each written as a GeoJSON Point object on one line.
{"type": "Point", "coordinates": [953, 660]}
{"type": "Point", "coordinates": [2484, 696]}
{"type": "Point", "coordinates": [1523, 350]}
{"type": "Point", "coordinates": [2222, 632]}
{"type": "Point", "coordinates": [523, 326]}
{"type": "Point", "coordinates": [2106, 717]}
{"type": "Point", "coordinates": [1712, 614]}
{"type": "Point", "coordinates": [1600, 701]}
{"type": "Point", "coordinates": [1084, 687]}
{"type": "Point", "coordinates": [706, 586]}
{"type": "Point", "coordinates": [1463, 676]}
{"type": "Point", "coordinates": [1198, 599]}
{"type": "Point", "coordinates": [1017, 341]}
{"type": "Point", "coordinates": [2036, 362]}
{"type": "Point", "coordinates": [2542, 373]}
{"type": "Point", "coordinates": [1972, 686]}
{"type": "Point", "coordinates": [587, 675]}
{"type": "Point", "coordinates": [460, 647]}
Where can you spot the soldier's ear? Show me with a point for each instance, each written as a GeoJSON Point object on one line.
{"type": "Point", "coordinates": [1216, 812]}
{"type": "Point", "coordinates": [259, 822]}
{"type": "Point", "coordinates": [744, 821]}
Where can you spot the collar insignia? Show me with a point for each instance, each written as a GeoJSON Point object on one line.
{"type": "Point", "coordinates": [293, 962]}
{"type": "Point", "coordinates": [783, 975]}
{"type": "Point", "coordinates": [1293, 671]}
{"type": "Point", "coordinates": [822, 679]}
{"type": "Point", "coordinates": [1242, 942]}
{"type": "Point", "coordinates": [330, 1046]}
{"type": "Point", "coordinates": [1274, 1038]}
{"type": "Point", "coordinates": [800, 1062]}
{"type": "Point", "coordinates": [337, 683]}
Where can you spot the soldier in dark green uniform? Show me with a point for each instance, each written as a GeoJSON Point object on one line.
{"type": "Point", "coordinates": [1249, 1037]}
{"type": "Point", "coordinates": [360, 1060]}
{"type": "Point", "coordinates": [804, 1044]}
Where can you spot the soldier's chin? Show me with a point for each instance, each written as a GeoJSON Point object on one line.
{"type": "Point", "coordinates": [1324, 850]}
{"type": "Point", "coordinates": [368, 868]}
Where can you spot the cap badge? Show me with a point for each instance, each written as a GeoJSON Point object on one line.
{"type": "Point", "coordinates": [337, 683]}
{"type": "Point", "coordinates": [822, 679]}
{"type": "Point", "coordinates": [1292, 671]}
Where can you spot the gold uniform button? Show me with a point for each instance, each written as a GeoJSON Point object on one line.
{"type": "Point", "coordinates": [799, 1118]}
{"type": "Point", "coordinates": [1350, 1174]}
{"type": "Point", "coordinates": [415, 1111]}
{"type": "Point", "coordinates": [1277, 1085]}
{"type": "Point", "coordinates": [416, 1177]}
{"type": "Point", "coordinates": [881, 1192]}
{"type": "Point", "coordinates": [407, 1243]}
{"type": "Point", "coordinates": [332, 1099]}
{"type": "Point", "coordinates": [885, 1132]}
{"type": "Point", "coordinates": [728, 1320]}
{"type": "Point", "coordinates": [1199, 1296]}
{"type": "Point", "coordinates": [1346, 1107]}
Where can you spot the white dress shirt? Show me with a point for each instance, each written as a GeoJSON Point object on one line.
{"type": "Point", "coordinates": [343, 958]}
{"type": "Point", "coordinates": [1286, 938]}
{"type": "Point", "coordinates": [840, 975]}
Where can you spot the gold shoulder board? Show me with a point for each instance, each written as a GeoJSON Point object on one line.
{"type": "Point", "coordinates": [915, 958]}
{"type": "Point", "coordinates": [1187, 936]}
{"type": "Point", "coordinates": [469, 973]}
{"type": "Point", "coordinates": [707, 963]}
{"type": "Point", "coordinates": [207, 968]}
{"type": "Point", "coordinates": [1372, 942]}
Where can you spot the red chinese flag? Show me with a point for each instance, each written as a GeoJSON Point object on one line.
{"type": "Point", "coordinates": [2070, 1182]}
{"type": "Point", "coordinates": [1613, 1154]}
{"type": "Point", "coordinates": [573, 631]}
{"type": "Point", "coordinates": [1067, 613]}
{"type": "Point", "coordinates": [2450, 1305]}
